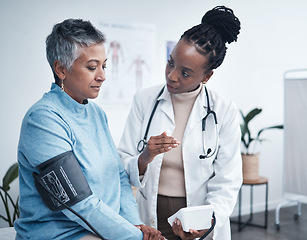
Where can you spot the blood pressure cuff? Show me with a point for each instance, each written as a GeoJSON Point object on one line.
{"type": "Point", "coordinates": [61, 181]}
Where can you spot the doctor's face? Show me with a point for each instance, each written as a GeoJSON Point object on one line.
{"type": "Point", "coordinates": [185, 69]}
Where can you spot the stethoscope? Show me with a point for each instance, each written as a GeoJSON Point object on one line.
{"type": "Point", "coordinates": [208, 152]}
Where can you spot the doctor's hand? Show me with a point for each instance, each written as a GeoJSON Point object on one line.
{"type": "Point", "coordinates": [156, 145]}
{"type": "Point", "coordinates": [177, 229]}
{"type": "Point", "coordinates": [150, 233]}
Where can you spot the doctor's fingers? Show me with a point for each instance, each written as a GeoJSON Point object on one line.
{"type": "Point", "coordinates": [180, 233]}
{"type": "Point", "coordinates": [161, 140]}
{"type": "Point", "coordinates": [156, 149]}
{"type": "Point", "coordinates": [197, 234]}
{"type": "Point", "coordinates": [177, 229]}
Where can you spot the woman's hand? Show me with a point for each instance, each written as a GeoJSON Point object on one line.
{"type": "Point", "coordinates": [150, 233]}
{"type": "Point", "coordinates": [156, 145]}
{"type": "Point", "coordinates": [192, 234]}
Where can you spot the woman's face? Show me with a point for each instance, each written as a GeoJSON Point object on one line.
{"type": "Point", "coordinates": [85, 78]}
{"type": "Point", "coordinates": [185, 69]}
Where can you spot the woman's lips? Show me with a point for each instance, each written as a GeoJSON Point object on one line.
{"type": "Point", "coordinates": [170, 86]}
{"type": "Point", "coordinates": [96, 87]}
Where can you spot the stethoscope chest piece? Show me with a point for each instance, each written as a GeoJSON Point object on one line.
{"type": "Point", "coordinates": [141, 145]}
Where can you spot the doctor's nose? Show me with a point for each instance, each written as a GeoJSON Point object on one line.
{"type": "Point", "coordinates": [172, 76]}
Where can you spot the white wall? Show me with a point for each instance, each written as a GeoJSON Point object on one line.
{"type": "Point", "coordinates": [272, 40]}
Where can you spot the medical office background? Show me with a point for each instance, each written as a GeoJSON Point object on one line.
{"type": "Point", "coordinates": [273, 40]}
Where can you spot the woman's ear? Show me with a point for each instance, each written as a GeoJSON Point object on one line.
{"type": "Point", "coordinates": [59, 69]}
{"type": "Point", "coordinates": [207, 77]}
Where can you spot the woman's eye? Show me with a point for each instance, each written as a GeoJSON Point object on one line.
{"type": "Point", "coordinates": [170, 63]}
{"type": "Point", "coordinates": [92, 68]}
{"type": "Point", "coordinates": [104, 67]}
{"type": "Point", "coordinates": [185, 74]}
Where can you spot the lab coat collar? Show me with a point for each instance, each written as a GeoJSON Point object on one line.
{"type": "Point", "coordinates": [202, 96]}
{"type": "Point", "coordinates": [198, 112]}
{"type": "Point", "coordinates": [165, 94]}
{"type": "Point", "coordinates": [166, 104]}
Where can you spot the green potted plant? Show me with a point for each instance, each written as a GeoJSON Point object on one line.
{"type": "Point", "coordinates": [8, 202]}
{"type": "Point", "coordinates": [251, 158]}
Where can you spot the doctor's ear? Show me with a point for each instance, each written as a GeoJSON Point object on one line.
{"type": "Point", "coordinates": [207, 76]}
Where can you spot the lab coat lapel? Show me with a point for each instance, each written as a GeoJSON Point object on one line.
{"type": "Point", "coordinates": [166, 105]}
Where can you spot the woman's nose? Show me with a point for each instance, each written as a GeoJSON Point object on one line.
{"type": "Point", "coordinates": [101, 75]}
{"type": "Point", "coordinates": [172, 75]}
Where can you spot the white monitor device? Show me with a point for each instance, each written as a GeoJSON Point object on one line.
{"type": "Point", "coordinates": [197, 218]}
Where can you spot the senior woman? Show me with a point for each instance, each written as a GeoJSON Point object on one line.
{"type": "Point", "coordinates": [64, 123]}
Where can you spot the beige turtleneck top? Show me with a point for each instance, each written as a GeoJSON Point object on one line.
{"type": "Point", "coordinates": [171, 181]}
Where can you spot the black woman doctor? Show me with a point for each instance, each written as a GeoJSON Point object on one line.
{"type": "Point", "coordinates": [181, 142]}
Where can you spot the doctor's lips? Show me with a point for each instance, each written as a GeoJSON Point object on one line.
{"type": "Point", "coordinates": [170, 86]}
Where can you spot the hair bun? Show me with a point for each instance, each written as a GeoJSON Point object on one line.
{"type": "Point", "coordinates": [224, 21]}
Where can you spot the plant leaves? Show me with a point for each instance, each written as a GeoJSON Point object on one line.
{"type": "Point", "coordinates": [246, 140]}
{"type": "Point", "coordinates": [244, 127]}
{"type": "Point", "coordinates": [10, 176]}
{"type": "Point", "coordinates": [251, 115]}
{"type": "Point", "coordinates": [272, 127]}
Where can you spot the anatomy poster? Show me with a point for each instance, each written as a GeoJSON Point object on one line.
{"type": "Point", "coordinates": [130, 50]}
{"type": "Point", "coordinates": [169, 48]}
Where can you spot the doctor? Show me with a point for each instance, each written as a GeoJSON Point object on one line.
{"type": "Point", "coordinates": [167, 156]}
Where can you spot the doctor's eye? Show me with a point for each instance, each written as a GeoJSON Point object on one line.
{"type": "Point", "coordinates": [185, 74]}
{"type": "Point", "coordinates": [170, 63]}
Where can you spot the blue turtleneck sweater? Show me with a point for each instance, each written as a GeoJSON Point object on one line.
{"type": "Point", "coordinates": [57, 124]}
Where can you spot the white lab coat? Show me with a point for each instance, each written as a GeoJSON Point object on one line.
{"type": "Point", "coordinates": [202, 186]}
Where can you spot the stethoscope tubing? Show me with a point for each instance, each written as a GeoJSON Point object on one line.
{"type": "Point", "coordinates": [207, 152]}
{"type": "Point", "coordinates": [143, 143]}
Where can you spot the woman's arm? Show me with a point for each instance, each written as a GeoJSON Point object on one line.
{"type": "Point", "coordinates": [44, 135]}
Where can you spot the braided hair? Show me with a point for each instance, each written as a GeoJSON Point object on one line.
{"type": "Point", "coordinates": [217, 27]}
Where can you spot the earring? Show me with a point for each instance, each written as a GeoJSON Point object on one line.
{"type": "Point", "coordinates": [62, 85]}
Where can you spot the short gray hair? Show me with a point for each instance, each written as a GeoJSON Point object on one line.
{"type": "Point", "coordinates": [66, 40]}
